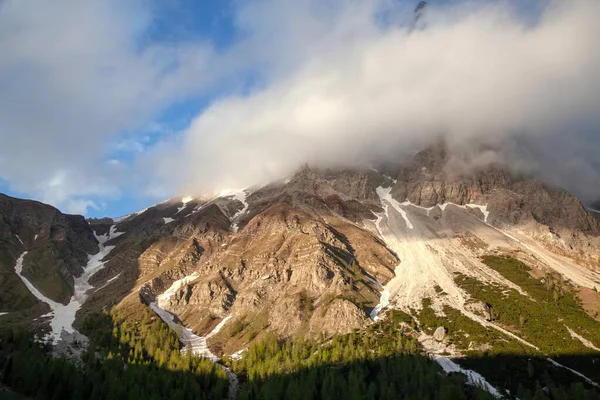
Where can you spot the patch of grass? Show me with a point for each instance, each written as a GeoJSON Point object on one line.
{"type": "Point", "coordinates": [552, 302]}
{"type": "Point", "coordinates": [237, 326]}
{"type": "Point", "coordinates": [463, 332]}
{"type": "Point", "coordinates": [399, 317]}
{"type": "Point", "coordinates": [305, 305]}
{"type": "Point", "coordinates": [543, 317]}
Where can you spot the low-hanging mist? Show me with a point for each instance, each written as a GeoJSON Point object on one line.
{"type": "Point", "coordinates": [359, 83]}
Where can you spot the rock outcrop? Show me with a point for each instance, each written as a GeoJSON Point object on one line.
{"type": "Point", "coordinates": [439, 334]}
{"type": "Point", "coordinates": [298, 258]}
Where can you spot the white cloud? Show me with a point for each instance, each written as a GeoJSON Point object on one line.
{"type": "Point", "coordinates": [334, 81]}
{"type": "Point", "coordinates": [356, 89]}
{"type": "Point", "coordinates": [74, 77]}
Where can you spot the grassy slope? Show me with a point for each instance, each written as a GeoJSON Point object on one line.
{"type": "Point", "coordinates": [541, 319]}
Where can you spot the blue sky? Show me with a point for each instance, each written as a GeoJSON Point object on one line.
{"type": "Point", "coordinates": [165, 23]}
{"type": "Point", "coordinates": [109, 107]}
{"type": "Point", "coordinates": [173, 22]}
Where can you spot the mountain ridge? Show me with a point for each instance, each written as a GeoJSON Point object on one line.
{"type": "Point", "coordinates": [328, 251]}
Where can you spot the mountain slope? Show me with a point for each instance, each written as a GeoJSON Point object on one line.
{"type": "Point", "coordinates": [53, 248]}
{"type": "Point", "coordinates": [329, 251]}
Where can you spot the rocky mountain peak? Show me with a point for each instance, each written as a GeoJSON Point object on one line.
{"type": "Point", "coordinates": [322, 253]}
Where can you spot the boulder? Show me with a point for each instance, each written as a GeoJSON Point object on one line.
{"type": "Point", "coordinates": [439, 334]}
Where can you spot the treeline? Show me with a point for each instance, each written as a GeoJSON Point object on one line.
{"type": "Point", "coordinates": [134, 355]}
{"type": "Point", "coordinates": [139, 360]}
{"type": "Point", "coordinates": [378, 363]}
{"type": "Point", "coordinates": [382, 362]}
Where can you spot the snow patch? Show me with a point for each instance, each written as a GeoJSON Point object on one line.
{"type": "Point", "coordinates": [384, 301]}
{"type": "Point", "coordinates": [199, 207]}
{"type": "Point", "coordinates": [237, 355]}
{"type": "Point", "coordinates": [135, 214]}
{"type": "Point", "coordinates": [192, 342]}
{"type": "Point", "coordinates": [19, 239]}
{"type": "Point", "coordinates": [195, 344]}
{"type": "Point", "coordinates": [219, 326]}
{"type": "Point", "coordinates": [556, 364]}
{"type": "Point", "coordinates": [473, 378]}
{"type": "Point", "coordinates": [385, 195]}
{"type": "Point", "coordinates": [35, 237]}
{"type": "Point", "coordinates": [240, 196]}
{"type": "Point", "coordinates": [168, 220]}
{"type": "Point", "coordinates": [384, 175]}
{"type": "Point", "coordinates": [184, 202]}
{"type": "Point", "coordinates": [483, 210]}
{"type": "Point", "coordinates": [3, 313]}
{"type": "Point", "coordinates": [379, 285]}
{"type": "Point", "coordinates": [108, 282]}
{"type": "Point", "coordinates": [62, 315]}
{"type": "Point", "coordinates": [583, 340]}
{"type": "Point", "coordinates": [175, 286]}
{"type": "Point", "coordinates": [114, 278]}
{"type": "Point", "coordinates": [208, 201]}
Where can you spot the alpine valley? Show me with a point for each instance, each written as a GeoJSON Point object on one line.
{"type": "Point", "coordinates": [403, 280]}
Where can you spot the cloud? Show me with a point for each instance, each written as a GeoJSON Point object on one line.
{"type": "Point", "coordinates": [332, 82]}
{"type": "Point", "coordinates": [351, 81]}
{"type": "Point", "coordinates": [76, 76]}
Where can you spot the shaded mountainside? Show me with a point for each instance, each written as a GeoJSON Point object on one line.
{"type": "Point", "coordinates": [57, 244]}
{"type": "Point", "coordinates": [327, 252]}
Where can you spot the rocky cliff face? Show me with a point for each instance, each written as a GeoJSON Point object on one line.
{"type": "Point", "coordinates": [290, 265]}
{"type": "Point", "coordinates": [302, 257]}
{"type": "Point", "coordinates": [303, 261]}
{"type": "Point", "coordinates": [511, 200]}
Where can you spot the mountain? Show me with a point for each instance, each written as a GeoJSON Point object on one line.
{"type": "Point", "coordinates": [466, 263]}
{"type": "Point", "coordinates": [57, 249]}
{"type": "Point", "coordinates": [595, 209]}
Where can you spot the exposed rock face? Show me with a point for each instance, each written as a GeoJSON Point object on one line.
{"type": "Point", "coordinates": [101, 226]}
{"type": "Point", "coordinates": [301, 259]}
{"type": "Point", "coordinates": [439, 334]}
{"type": "Point", "coordinates": [294, 258]}
{"type": "Point", "coordinates": [215, 295]}
{"type": "Point", "coordinates": [345, 316]}
{"type": "Point", "coordinates": [511, 200]}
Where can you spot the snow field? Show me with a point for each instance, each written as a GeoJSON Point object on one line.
{"type": "Point", "coordinates": [62, 315]}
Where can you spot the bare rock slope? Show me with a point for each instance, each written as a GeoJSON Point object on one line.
{"type": "Point", "coordinates": [321, 253]}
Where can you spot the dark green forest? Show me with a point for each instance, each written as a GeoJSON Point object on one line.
{"type": "Point", "coordinates": [382, 362]}
{"type": "Point", "coordinates": [378, 363]}
{"type": "Point", "coordinates": [131, 360]}
{"type": "Point", "coordinates": [123, 361]}
{"type": "Point", "coordinates": [133, 354]}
